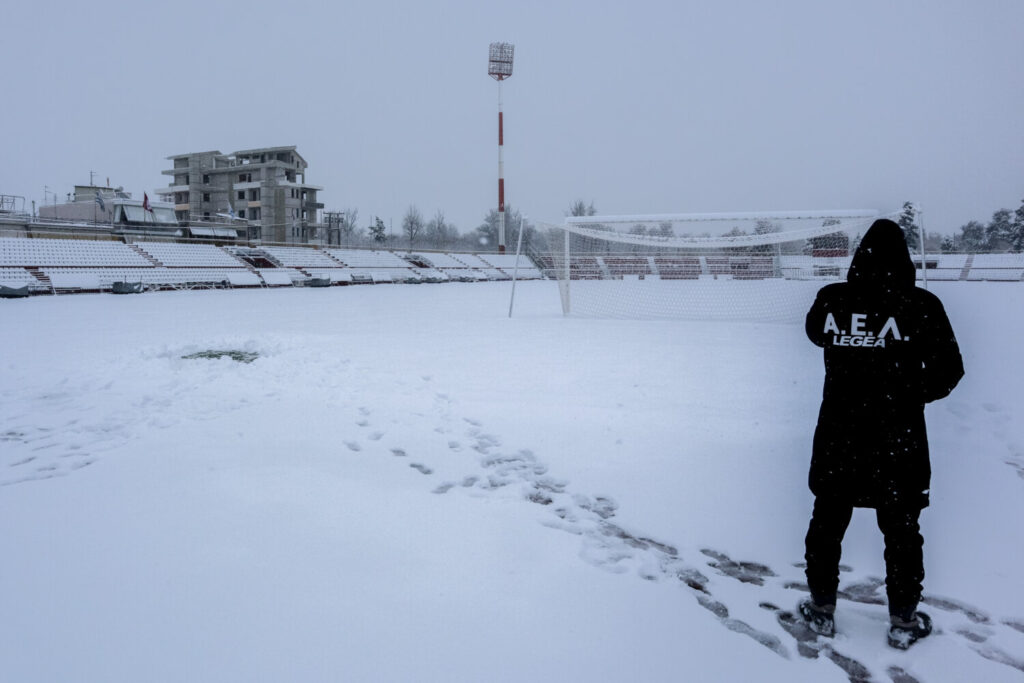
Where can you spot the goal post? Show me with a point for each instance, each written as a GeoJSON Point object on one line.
{"type": "Point", "coordinates": [756, 266]}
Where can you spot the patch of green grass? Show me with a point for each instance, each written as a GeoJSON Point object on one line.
{"type": "Point", "coordinates": [240, 356]}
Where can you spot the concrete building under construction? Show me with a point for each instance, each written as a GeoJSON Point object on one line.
{"type": "Point", "coordinates": [266, 187]}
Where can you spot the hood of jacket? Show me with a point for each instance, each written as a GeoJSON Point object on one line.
{"type": "Point", "coordinates": [882, 259]}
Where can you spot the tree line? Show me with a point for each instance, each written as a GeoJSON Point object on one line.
{"type": "Point", "coordinates": [436, 234]}
{"type": "Point", "coordinates": [1005, 232]}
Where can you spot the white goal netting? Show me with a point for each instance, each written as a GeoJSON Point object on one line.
{"type": "Point", "coordinates": [740, 266]}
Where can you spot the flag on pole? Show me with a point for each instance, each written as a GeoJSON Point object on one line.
{"type": "Point", "coordinates": [99, 200]}
{"type": "Point", "coordinates": [231, 210]}
{"type": "Point", "coordinates": [145, 203]}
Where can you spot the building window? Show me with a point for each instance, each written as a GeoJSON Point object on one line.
{"type": "Point", "coordinates": [206, 215]}
{"type": "Point", "coordinates": [254, 195]}
{"type": "Point", "coordinates": [206, 196]}
{"type": "Point", "coordinates": [206, 179]}
{"type": "Point", "coordinates": [241, 213]}
{"type": "Point", "coordinates": [241, 194]}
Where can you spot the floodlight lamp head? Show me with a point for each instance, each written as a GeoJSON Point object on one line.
{"type": "Point", "coordinates": [499, 62]}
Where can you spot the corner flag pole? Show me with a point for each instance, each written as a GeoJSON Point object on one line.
{"type": "Point", "coordinates": [924, 260]}
{"type": "Point", "coordinates": [515, 268]}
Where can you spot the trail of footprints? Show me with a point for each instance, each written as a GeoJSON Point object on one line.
{"type": "Point", "coordinates": [996, 420]}
{"type": "Point", "coordinates": [34, 453]}
{"type": "Point", "coordinates": [614, 548]}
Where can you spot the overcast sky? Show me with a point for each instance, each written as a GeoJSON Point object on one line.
{"type": "Point", "coordinates": [639, 107]}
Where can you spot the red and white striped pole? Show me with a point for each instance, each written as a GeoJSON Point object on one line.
{"type": "Point", "coordinates": [501, 176]}
{"type": "Point", "coordinates": [499, 67]}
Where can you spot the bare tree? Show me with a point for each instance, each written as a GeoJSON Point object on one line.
{"type": "Point", "coordinates": [349, 229]}
{"type": "Point", "coordinates": [412, 225]}
{"type": "Point", "coordinates": [581, 208]}
{"type": "Point", "coordinates": [439, 233]}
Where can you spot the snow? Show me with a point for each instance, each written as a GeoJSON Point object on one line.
{"type": "Point", "coordinates": [407, 485]}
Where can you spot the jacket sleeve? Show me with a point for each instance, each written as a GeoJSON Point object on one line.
{"type": "Point", "coordinates": [943, 365]}
{"type": "Point", "coordinates": [814, 324]}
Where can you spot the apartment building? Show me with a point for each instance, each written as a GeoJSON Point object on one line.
{"type": "Point", "coordinates": [265, 186]}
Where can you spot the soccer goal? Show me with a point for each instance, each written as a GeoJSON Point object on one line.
{"type": "Point", "coordinates": [758, 266]}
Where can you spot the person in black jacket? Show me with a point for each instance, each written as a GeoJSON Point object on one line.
{"type": "Point", "coordinates": [889, 349]}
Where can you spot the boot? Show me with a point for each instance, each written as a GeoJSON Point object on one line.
{"type": "Point", "coordinates": [905, 630]}
{"type": "Point", "coordinates": [819, 618]}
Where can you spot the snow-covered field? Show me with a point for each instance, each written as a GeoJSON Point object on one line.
{"type": "Point", "coordinates": [407, 485]}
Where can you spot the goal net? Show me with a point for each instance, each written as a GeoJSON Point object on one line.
{"type": "Point", "coordinates": [764, 266]}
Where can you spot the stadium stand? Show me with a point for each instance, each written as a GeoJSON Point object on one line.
{"type": "Point", "coordinates": [281, 277]}
{"type": "Point", "coordinates": [96, 279]}
{"type": "Point", "coordinates": [620, 266]}
{"type": "Point", "coordinates": [480, 267]}
{"type": "Point", "coordinates": [439, 260]}
{"type": "Point", "coordinates": [524, 270]}
{"type": "Point", "coordinates": [943, 266]}
{"type": "Point", "coordinates": [18, 277]}
{"type": "Point", "coordinates": [1003, 267]}
{"type": "Point", "coordinates": [741, 267]}
{"type": "Point", "coordinates": [678, 267]}
{"type": "Point", "coordinates": [379, 266]}
{"type": "Point", "coordinates": [17, 251]}
{"type": "Point", "coordinates": [301, 257]}
{"type": "Point", "coordinates": [61, 265]}
{"type": "Point", "coordinates": [459, 267]}
{"type": "Point", "coordinates": [189, 255]}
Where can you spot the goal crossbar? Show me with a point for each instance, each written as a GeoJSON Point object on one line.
{"type": "Point", "coordinates": [759, 266]}
{"type": "Point", "coordinates": [599, 227]}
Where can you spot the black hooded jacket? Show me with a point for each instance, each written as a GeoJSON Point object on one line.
{"type": "Point", "coordinates": [889, 349]}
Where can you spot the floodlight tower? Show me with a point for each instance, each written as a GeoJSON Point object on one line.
{"type": "Point", "coordinates": [499, 67]}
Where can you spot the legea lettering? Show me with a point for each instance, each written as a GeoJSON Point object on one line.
{"type": "Point", "coordinates": [858, 335]}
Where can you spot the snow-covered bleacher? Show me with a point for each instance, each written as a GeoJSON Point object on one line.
{"type": "Point", "coordinates": [439, 260]}
{"type": "Point", "coordinates": [481, 267]}
{"type": "Point", "coordinates": [18, 251]}
{"type": "Point", "coordinates": [357, 258]}
{"type": "Point", "coordinates": [279, 277]}
{"type": "Point", "coordinates": [67, 278]}
{"type": "Point", "coordinates": [997, 267]}
{"type": "Point", "coordinates": [525, 270]}
{"type": "Point", "coordinates": [69, 265]}
{"type": "Point", "coordinates": [335, 275]}
{"type": "Point", "coordinates": [17, 277]}
{"type": "Point", "coordinates": [462, 267]}
{"type": "Point", "coordinates": [301, 257]}
{"type": "Point", "coordinates": [943, 266]}
{"type": "Point", "coordinates": [189, 255]}
{"type": "Point", "coordinates": [805, 267]}
{"type": "Point", "coordinates": [376, 266]}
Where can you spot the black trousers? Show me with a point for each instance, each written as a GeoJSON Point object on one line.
{"type": "Point", "coordinates": [904, 555]}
